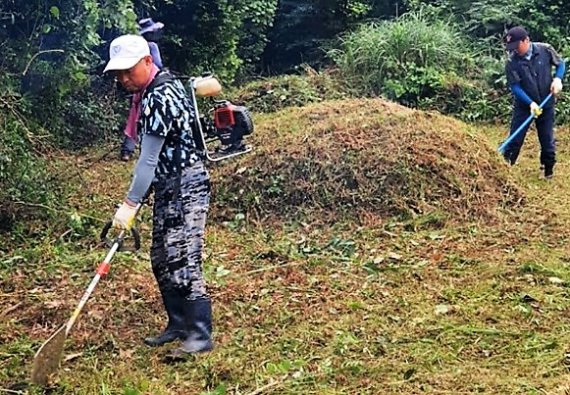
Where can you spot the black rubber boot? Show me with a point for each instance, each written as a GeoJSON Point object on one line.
{"type": "Point", "coordinates": [199, 327]}
{"type": "Point", "coordinates": [548, 171]}
{"type": "Point", "coordinates": [510, 158]}
{"type": "Point", "coordinates": [176, 328]}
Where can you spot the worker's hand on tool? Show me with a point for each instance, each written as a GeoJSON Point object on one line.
{"type": "Point", "coordinates": [125, 216]}
{"type": "Point", "coordinates": [556, 86]}
{"type": "Point", "coordinates": [535, 109]}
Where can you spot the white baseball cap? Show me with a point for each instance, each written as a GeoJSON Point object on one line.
{"type": "Point", "coordinates": [126, 51]}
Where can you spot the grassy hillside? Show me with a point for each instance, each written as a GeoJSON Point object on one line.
{"type": "Point", "coordinates": [437, 269]}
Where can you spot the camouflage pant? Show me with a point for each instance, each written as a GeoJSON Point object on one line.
{"type": "Point", "coordinates": [178, 232]}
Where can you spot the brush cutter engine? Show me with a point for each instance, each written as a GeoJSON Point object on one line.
{"type": "Point", "coordinates": [228, 124]}
{"type": "Point", "coordinates": [225, 123]}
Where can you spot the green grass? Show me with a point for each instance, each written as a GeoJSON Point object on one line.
{"type": "Point", "coordinates": [422, 305]}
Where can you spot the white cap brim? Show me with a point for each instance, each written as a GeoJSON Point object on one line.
{"type": "Point", "coordinates": [121, 64]}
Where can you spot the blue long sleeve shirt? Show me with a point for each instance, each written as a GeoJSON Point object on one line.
{"type": "Point", "coordinates": [530, 75]}
{"type": "Point", "coordinates": [155, 53]}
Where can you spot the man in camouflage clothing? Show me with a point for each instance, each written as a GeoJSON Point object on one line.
{"type": "Point", "coordinates": [171, 161]}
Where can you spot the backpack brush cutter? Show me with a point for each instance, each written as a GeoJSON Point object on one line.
{"type": "Point", "coordinates": [225, 122]}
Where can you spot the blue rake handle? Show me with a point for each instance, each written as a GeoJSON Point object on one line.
{"type": "Point", "coordinates": [520, 129]}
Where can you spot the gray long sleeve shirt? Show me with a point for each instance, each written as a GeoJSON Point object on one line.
{"type": "Point", "coordinates": [145, 169]}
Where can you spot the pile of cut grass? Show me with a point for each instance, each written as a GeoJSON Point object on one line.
{"type": "Point", "coordinates": [364, 158]}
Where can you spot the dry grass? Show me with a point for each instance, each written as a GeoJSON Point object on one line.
{"type": "Point", "coordinates": [362, 158]}
{"type": "Point", "coordinates": [477, 304]}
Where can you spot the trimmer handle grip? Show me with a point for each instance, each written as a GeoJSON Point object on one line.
{"type": "Point", "coordinates": [120, 238]}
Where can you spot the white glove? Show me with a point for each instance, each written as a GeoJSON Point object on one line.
{"type": "Point", "coordinates": [125, 216]}
{"type": "Point", "coordinates": [535, 109]}
{"type": "Point", "coordinates": [556, 86]}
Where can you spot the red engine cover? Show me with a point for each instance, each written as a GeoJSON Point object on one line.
{"type": "Point", "coordinates": [224, 117]}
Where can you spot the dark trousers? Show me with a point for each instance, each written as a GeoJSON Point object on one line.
{"type": "Point", "coordinates": [545, 127]}
{"type": "Point", "coordinates": [179, 217]}
{"type": "Point", "coordinates": [128, 146]}
{"type": "Point", "coordinates": [178, 233]}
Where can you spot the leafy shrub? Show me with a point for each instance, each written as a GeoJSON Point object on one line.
{"type": "Point", "coordinates": [403, 59]}
{"type": "Point", "coordinates": [467, 99]}
{"type": "Point", "coordinates": [489, 19]}
{"type": "Point", "coordinates": [24, 179]}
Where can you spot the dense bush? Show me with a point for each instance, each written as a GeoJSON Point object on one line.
{"type": "Point", "coordinates": [546, 20]}
{"type": "Point", "coordinates": [227, 37]}
{"type": "Point", "coordinates": [24, 179]}
{"type": "Point", "coordinates": [84, 117]}
{"type": "Point", "coordinates": [51, 52]}
{"type": "Point", "coordinates": [409, 59]}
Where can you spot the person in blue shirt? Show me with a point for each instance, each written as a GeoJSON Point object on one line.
{"type": "Point", "coordinates": [529, 75]}
{"type": "Point", "coordinates": [151, 32]}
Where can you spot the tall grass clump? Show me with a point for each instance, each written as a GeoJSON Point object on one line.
{"type": "Point", "coordinates": [408, 59]}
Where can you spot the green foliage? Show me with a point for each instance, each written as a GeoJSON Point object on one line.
{"type": "Point", "coordinates": [74, 27]}
{"type": "Point", "coordinates": [472, 102]}
{"type": "Point", "coordinates": [257, 18]}
{"type": "Point", "coordinates": [57, 56]}
{"type": "Point", "coordinates": [546, 20]}
{"type": "Point", "coordinates": [50, 51]}
{"type": "Point", "coordinates": [227, 37]}
{"type": "Point", "coordinates": [24, 179]}
{"type": "Point", "coordinates": [425, 61]}
{"type": "Point", "coordinates": [406, 59]}
{"type": "Point", "coordinates": [92, 115]}
{"type": "Point", "coordinates": [302, 27]}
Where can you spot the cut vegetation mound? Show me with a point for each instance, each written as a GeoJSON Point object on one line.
{"type": "Point", "coordinates": [364, 158]}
